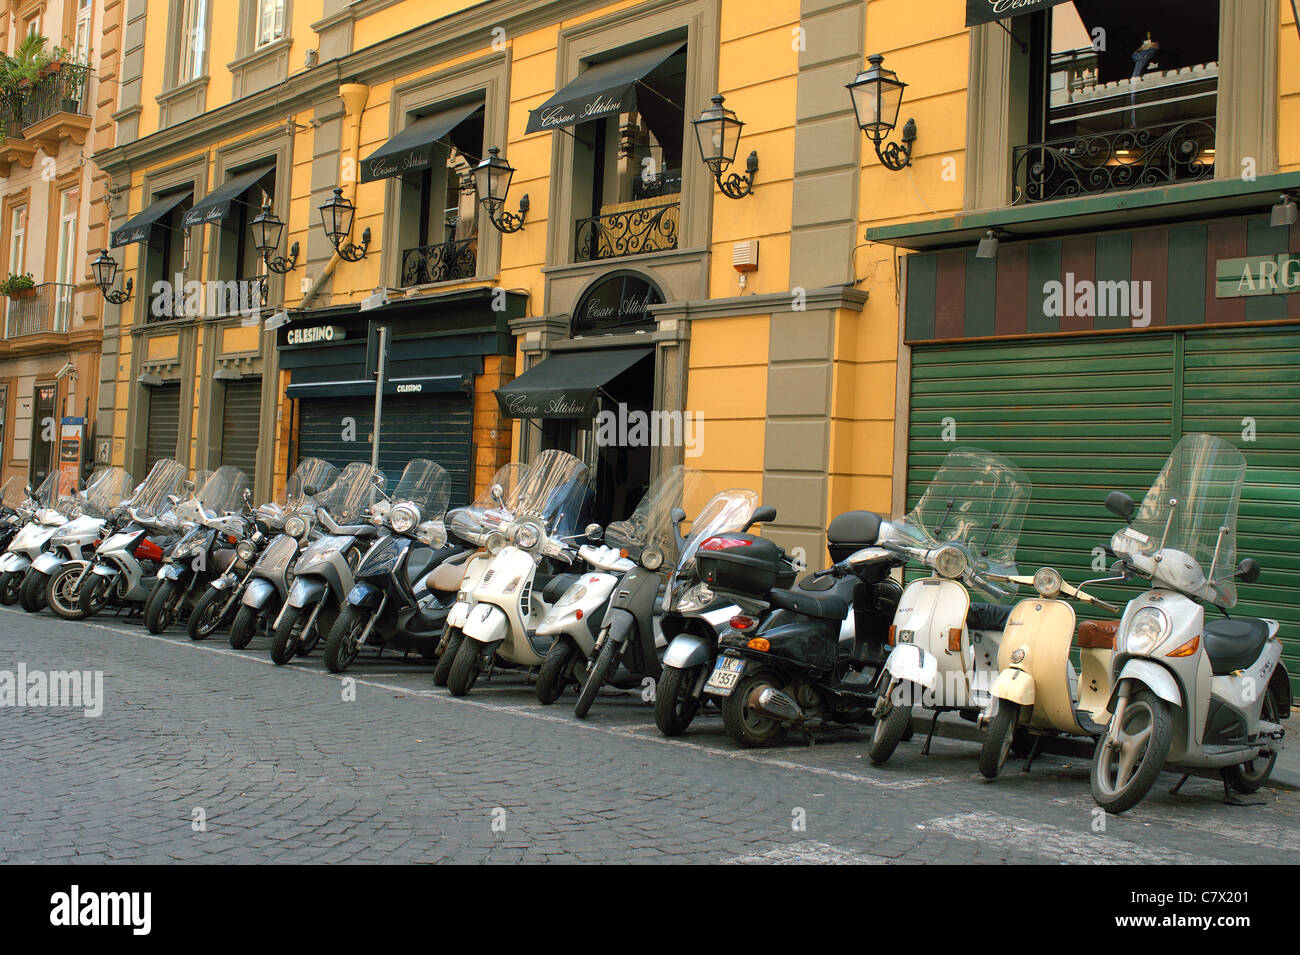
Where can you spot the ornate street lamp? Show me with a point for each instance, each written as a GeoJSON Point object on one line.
{"type": "Point", "coordinates": [336, 215]}
{"type": "Point", "coordinates": [492, 184]}
{"type": "Point", "coordinates": [877, 94]}
{"type": "Point", "coordinates": [267, 229]}
{"type": "Point", "coordinates": [104, 268]}
{"type": "Point", "coordinates": [717, 132]}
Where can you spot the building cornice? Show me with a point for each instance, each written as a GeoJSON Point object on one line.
{"type": "Point", "coordinates": [807, 300]}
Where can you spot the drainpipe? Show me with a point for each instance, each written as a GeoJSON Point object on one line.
{"type": "Point", "coordinates": [354, 96]}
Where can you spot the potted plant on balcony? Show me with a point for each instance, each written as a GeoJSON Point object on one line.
{"type": "Point", "coordinates": [19, 71]}
{"type": "Point", "coordinates": [19, 286]}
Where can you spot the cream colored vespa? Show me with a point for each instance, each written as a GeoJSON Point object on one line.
{"type": "Point", "coordinates": [1038, 688]}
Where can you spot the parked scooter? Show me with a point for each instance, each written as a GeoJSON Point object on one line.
{"type": "Point", "coordinates": [408, 580]}
{"type": "Point", "coordinates": [46, 512]}
{"type": "Point", "coordinates": [125, 570]}
{"type": "Point", "coordinates": [324, 572]}
{"type": "Point", "coordinates": [76, 541]}
{"type": "Point", "coordinates": [13, 498]}
{"type": "Point", "coordinates": [807, 656]}
{"type": "Point", "coordinates": [945, 648]}
{"type": "Point", "coordinates": [514, 594]}
{"type": "Point", "coordinates": [221, 600]}
{"type": "Point", "coordinates": [1190, 693]}
{"type": "Point", "coordinates": [693, 613]}
{"type": "Point", "coordinates": [267, 590]}
{"type": "Point", "coordinates": [206, 552]}
{"type": "Point", "coordinates": [1038, 690]}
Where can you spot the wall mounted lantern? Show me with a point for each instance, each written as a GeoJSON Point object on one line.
{"type": "Point", "coordinates": [336, 215]}
{"type": "Point", "coordinates": [104, 268]}
{"type": "Point", "coordinates": [492, 184]}
{"type": "Point", "coordinates": [267, 229]}
{"type": "Point", "coordinates": [877, 94]}
{"type": "Point", "coordinates": [717, 132]}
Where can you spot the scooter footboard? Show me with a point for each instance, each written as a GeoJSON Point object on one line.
{"type": "Point", "coordinates": [909, 664]}
{"type": "Point", "coordinates": [487, 624]}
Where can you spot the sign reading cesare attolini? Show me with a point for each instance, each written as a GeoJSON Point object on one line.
{"type": "Point", "coordinates": [985, 11]}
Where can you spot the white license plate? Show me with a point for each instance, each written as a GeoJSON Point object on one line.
{"type": "Point", "coordinates": [725, 674]}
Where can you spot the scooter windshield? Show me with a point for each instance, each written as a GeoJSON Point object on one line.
{"type": "Point", "coordinates": [1188, 520]}
{"type": "Point", "coordinates": [14, 493]}
{"type": "Point", "coordinates": [351, 493]}
{"type": "Point", "coordinates": [556, 488]}
{"type": "Point", "coordinates": [311, 472]}
{"type": "Point", "coordinates": [106, 491]}
{"type": "Point", "coordinates": [223, 491]}
{"type": "Point", "coordinates": [165, 479]}
{"type": "Point", "coordinates": [47, 495]}
{"type": "Point", "coordinates": [426, 485]}
{"type": "Point", "coordinates": [485, 515]}
{"type": "Point", "coordinates": [651, 524]}
{"type": "Point", "coordinates": [725, 513]}
{"type": "Point", "coordinates": [977, 500]}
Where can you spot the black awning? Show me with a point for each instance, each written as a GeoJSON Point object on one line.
{"type": "Point", "coordinates": [565, 385]}
{"type": "Point", "coordinates": [411, 150]}
{"type": "Point", "coordinates": [215, 206]}
{"type": "Point", "coordinates": [140, 228]}
{"type": "Point", "coordinates": [986, 11]}
{"type": "Point", "coordinates": [604, 89]}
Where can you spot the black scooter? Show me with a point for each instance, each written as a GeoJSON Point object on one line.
{"type": "Point", "coordinates": [781, 661]}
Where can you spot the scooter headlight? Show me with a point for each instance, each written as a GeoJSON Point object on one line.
{"type": "Point", "coordinates": [950, 562]}
{"type": "Point", "coordinates": [1048, 583]}
{"type": "Point", "coordinates": [246, 551]}
{"type": "Point", "coordinates": [1147, 630]}
{"type": "Point", "coordinates": [496, 542]}
{"type": "Point", "coordinates": [296, 527]}
{"type": "Point", "coordinates": [404, 517]}
{"type": "Point", "coordinates": [652, 558]}
{"type": "Point", "coordinates": [527, 536]}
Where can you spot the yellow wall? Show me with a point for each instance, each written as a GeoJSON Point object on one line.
{"type": "Point", "coordinates": [1288, 81]}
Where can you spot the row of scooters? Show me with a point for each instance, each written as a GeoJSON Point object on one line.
{"type": "Point", "coordinates": [712, 616]}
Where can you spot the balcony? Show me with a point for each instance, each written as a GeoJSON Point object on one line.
{"type": "Point", "coordinates": [1114, 161]}
{"type": "Point", "coordinates": [43, 310]}
{"type": "Point", "coordinates": [444, 262]}
{"type": "Point", "coordinates": [57, 108]}
{"type": "Point", "coordinates": [627, 228]}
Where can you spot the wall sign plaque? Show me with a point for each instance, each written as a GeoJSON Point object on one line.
{"type": "Point", "coordinates": [619, 302]}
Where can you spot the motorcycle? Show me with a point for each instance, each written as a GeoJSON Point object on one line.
{"type": "Point", "coordinates": [96, 510]}
{"type": "Point", "coordinates": [944, 646]}
{"type": "Point", "coordinates": [1190, 693]}
{"type": "Point", "coordinates": [206, 552]}
{"type": "Point", "coordinates": [802, 656]}
{"type": "Point", "coordinates": [220, 600]}
{"type": "Point", "coordinates": [514, 595]}
{"type": "Point", "coordinates": [325, 570]}
{"type": "Point", "coordinates": [125, 570]}
{"type": "Point", "coordinates": [693, 613]}
{"type": "Point", "coordinates": [45, 512]}
{"type": "Point", "coordinates": [1038, 690]}
{"type": "Point", "coordinates": [13, 499]}
{"type": "Point", "coordinates": [407, 582]}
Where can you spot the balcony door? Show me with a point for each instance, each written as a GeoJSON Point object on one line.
{"type": "Point", "coordinates": [69, 201]}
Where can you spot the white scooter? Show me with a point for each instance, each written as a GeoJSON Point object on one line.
{"type": "Point", "coordinates": [1196, 694]}
{"type": "Point", "coordinates": [944, 654]}
{"type": "Point", "coordinates": [46, 513]}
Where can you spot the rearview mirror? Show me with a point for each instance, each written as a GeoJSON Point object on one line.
{"type": "Point", "coordinates": [763, 515]}
{"type": "Point", "coordinates": [678, 515]}
{"type": "Point", "coordinates": [1248, 570]}
{"type": "Point", "coordinates": [1119, 503]}
{"type": "Point", "coordinates": [498, 495]}
{"type": "Point", "coordinates": [379, 479]}
{"type": "Point", "coordinates": [248, 495]}
{"type": "Point", "coordinates": [310, 490]}
{"type": "Point", "coordinates": [594, 532]}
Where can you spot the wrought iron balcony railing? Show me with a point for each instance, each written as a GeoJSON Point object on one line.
{"type": "Point", "coordinates": [633, 229]}
{"type": "Point", "coordinates": [44, 308]}
{"type": "Point", "coordinates": [444, 262]}
{"type": "Point", "coordinates": [61, 92]}
{"type": "Point", "coordinates": [216, 298]}
{"type": "Point", "coordinates": [1129, 158]}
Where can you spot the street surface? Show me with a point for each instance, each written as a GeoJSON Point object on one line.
{"type": "Point", "coordinates": [206, 754]}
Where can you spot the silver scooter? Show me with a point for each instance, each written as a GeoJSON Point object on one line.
{"type": "Point", "coordinates": [46, 512]}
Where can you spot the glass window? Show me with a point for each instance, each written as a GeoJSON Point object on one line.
{"type": "Point", "coordinates": [69, 204]}
{"type": "Point", "coordinates": [18, 240]}
{"type": "Point", "coordinates": [81, 46]}
{"type": "Point", "coordinates": [193, 39]}
{"type": "Point", "coordinates": [270, 21]}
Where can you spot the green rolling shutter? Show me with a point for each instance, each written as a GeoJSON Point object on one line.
{"type": "Point", "coordinates": [1085, 416]}
{"type": "Point", "coordinates": [241, 425]}
{"type": "Point", "coordinates": [164, 423]}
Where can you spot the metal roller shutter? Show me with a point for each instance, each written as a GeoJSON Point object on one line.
{"type": "Point", "coordinates": [1086, 416]}
{"type": "Point", "coordinates": [437, 427]}
{"type": "Point", "coordinates": [164, 424]}
{"type": "Point", "coordinates": [241, 424]}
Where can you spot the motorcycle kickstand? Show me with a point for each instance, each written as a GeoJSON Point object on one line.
{"type": "Point", "coordinates": [1033, 752]}
{"type": "Point", "coordinates": [925, 750]}
{"type": "Point", "coordinates": [1233, 799]}
{"type": "Point", "coordinates": [1179, 784]}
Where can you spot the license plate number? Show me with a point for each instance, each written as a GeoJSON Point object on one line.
{"type": "Point", "coordinates": [726, 672]}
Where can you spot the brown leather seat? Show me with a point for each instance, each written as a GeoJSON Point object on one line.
{"type": "Point", "coordinates": [1098, 634]}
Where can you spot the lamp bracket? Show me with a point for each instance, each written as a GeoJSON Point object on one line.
{"type": "Point", "coordinates": [736, 186]}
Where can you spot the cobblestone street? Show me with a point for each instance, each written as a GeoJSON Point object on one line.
{"type": "Point", "coordinates": [278, 767]}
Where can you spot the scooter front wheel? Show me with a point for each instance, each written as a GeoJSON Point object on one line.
{"type": "Point", "coordinates": [161, 610]}
{"type": "Point", "coordinates": [889, 731]}
{"type": "Point", "coordinates": [243, 627]}
{"type": "Point", "coordinates": [600, 670]}
{"type": "Point", "coordinates": [344, 641]}
{"type": "Point", "coordinates": [63, 593]}
{"type": "Point", "coordinates": [32, 594]}
{"type": "Point", "coordinates": [997, 739]}
{"type": "Point", "coordinates": [465, 668]}
{"type": "Point", "coordinates": [1130, 756]}
{"type": "Point", "coordinates": [443, 669]}
{"type": "Point", "coordinates": [207, 614]}
{"type": "Point", "coordinates": [94, 595]}
{"type": "Point", "coordinates": [10, 587]}
{"type": "Point", "coordinates": [283, 641]}
{"type": "Point", "coordinates": [676, 702]}
{"type": "Point", "coordinates": [553, 676]}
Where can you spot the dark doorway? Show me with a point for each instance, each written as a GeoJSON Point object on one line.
{"type": "Point", "coordinates": [45, 429]}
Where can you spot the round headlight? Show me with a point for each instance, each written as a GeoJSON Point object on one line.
{"type": "Point", "coordinates": [527, 536]}
{"type": "Point", "coordinates": [1047, 582]}
{"type": "Point", "coordinates": [245, 550]}
{"type": "Point", "coordinates": [404, 517]}
{"type": "Point", "coordinates": [950, 562]}
{"type": "Point", "coordinates": [496, 542]}
{"type": "Point", "coordinates": [296, 527]}
{"type": "Point", "coordinates": [652, 558]}
{"type": "Point", "coordinates": [1146, 630]}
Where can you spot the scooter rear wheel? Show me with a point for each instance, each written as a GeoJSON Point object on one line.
{"type": "Point", "coordinates": [32, 594]}
{"type": "Point", "coordinates": [1249, 777]}
{"type": "Point", "coordinates": [743, 724]}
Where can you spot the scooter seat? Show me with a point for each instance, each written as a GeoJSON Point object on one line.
{"type": "Point", "coordinates": [1234, 643]}
{"type": "Point", "coordinates": [983, 616]}
{"type": "Point", "coordinates": [832, 605]}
